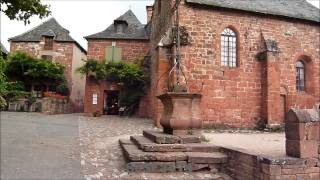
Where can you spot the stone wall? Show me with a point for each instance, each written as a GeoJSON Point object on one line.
{"type": "Point", "coordinates": [21, 105]}
{"type": "Point", "coordinates": [243, 165]}
{"type": "Point", "coordinates": [131, 49]}
{"type": "Point", "coordinates": [55, 106]}
{"type": "Point", "coordinates": [302, 149]}
{"type": "Point", "coordinates": [234, 97]}
{"type": "Point", "coordinates": [44, 105]}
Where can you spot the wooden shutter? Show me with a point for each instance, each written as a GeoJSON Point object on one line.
{"type": "Point", "coordinates": [108, 54]}
{"type": "Point", "coordinates": [113, 53]}
{"type": "Point", "coordinates": [117, 54]}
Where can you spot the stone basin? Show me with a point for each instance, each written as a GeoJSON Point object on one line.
{"type": "Point", "coordinates": [181, 115]}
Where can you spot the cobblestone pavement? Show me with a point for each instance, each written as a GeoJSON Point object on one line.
{"type": "Point", "coordinates": [101, 156]}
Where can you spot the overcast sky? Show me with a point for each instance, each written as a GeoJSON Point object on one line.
{"type": "Point", "coordinates": [82, 17]}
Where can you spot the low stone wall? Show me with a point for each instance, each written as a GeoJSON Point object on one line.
{"type": "Point", "coordinates": [242, 165]}
{"type": "Point", "coordinates": [302, 160]}
{"type": "Point", "coordinates": [44, 105]}
{"type": "Point", "coordinates": [55, 106]}
{"type": "Point", "coordinates": [21, 105]}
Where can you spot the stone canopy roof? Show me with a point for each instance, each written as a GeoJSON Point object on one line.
{"type": "Point", "coordinates": [298, 9]}
{"type": "Point", "coordinates": [3, 49]}
{"type": "Point", "coordinates": [48, 28]}
{"type": "Point", "coordinates": [133, 30]}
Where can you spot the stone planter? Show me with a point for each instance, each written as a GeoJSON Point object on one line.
{"type": "Point", "coordinates": [181, 115]}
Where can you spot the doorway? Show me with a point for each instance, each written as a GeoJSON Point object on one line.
{"type": "Point", "coordinates": [282, 108]}
{"type": "Point", "coordinates": [111, 103]}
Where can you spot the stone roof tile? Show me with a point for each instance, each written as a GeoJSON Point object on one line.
{"type": "Point", "coordinates": [134, 29]}
{"type": "Point", "coordinates": [299, 9]}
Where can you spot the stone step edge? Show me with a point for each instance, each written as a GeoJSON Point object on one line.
{"type": "Point", "coordinates": [147, 145]}
{"type": "Point", "coordinates": [162, 138]}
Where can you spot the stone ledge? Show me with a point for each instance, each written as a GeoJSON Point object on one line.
{"type": "Point", "coordinates": [147, 145]}
{"type": "Point", "coordinates": [162, 138]}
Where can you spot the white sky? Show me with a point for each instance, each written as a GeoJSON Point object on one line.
{"type": "Point", "coordinates": [82, 17]}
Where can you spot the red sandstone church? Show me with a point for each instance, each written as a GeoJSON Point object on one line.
{"type": "Point", "coordinates": [251, 60]}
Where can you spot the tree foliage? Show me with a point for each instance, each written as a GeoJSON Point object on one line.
{"type": "Point", "coordinates": [22, 10]}
{"type": "Point", "coordinates": [24, 68]}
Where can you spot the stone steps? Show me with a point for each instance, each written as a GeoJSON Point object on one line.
{"type": "Point", "coordinates": [158, 152]}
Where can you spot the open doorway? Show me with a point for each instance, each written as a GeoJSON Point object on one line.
{"type": "Point", "coordinates": [111, 103]}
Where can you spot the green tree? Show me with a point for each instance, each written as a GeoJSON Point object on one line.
{"type": "Point", "coordinates": [22, 10]}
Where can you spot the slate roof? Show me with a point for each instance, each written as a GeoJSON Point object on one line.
{"type": "Point", "coordinates": [135, 30]}
{"type": "Point", "coordinates": [299, 9]}
{"type": "Point", "coordinates": [3, 49]}
{"type": "Point", "coordinates": [48, 28]}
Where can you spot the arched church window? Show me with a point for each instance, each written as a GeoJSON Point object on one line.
{"type": "Point", "coordinates": [300, 76]}
{"type": "Point", "coordinates": [228, 48]}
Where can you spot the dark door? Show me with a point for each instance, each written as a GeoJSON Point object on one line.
{"type": "Point", "coordinates": [112, 103]}
{"type": "Point", "coordinates": [282, 107]}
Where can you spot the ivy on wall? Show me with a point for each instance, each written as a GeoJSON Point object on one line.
{"type": "Point", "coordinates": [132, 77]}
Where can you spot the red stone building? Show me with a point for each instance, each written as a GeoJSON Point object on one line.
{"type": "Point", "coordinates": [251, 60]}
{"type": "Point", "coordinates": [51, 41]}
{"type": "Point", "coordinates": [126, 40]}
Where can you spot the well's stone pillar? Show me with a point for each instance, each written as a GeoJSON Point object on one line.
{"type": "Point", "coordinates": [182, 114]}
{"type": "Point", "coordinates": [302, 133]}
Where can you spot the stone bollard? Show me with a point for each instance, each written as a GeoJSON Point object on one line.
{"type": "Point", "coordinates": [302, 128]}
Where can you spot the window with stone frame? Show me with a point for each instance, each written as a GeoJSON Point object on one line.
{"type": "Point", "coordinates": [300, 76]}
{"type": "Point", "coordinates": [48, 43]}
{"type": "Point", "coordinates": [228, 48]}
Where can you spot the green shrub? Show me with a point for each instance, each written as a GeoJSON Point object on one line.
{"type": "Point", "coordinates": [63, 89]}
{"type": "Point", "coordinates": [23, 68]}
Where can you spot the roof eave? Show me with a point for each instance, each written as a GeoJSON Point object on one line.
{"type": "Point", "coordinates": [256, 12]}
{"type": "Point", "coordinates": [115, 38]}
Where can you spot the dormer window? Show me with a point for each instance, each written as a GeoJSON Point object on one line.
{"type": "Point", "coordinates": [120, 26]}
{"type": "Point", "coordinates": [48, 43]}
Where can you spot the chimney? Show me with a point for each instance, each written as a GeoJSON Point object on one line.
{"type": "Point", "coordinates": [149, 12]}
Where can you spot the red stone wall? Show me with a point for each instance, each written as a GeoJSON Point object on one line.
{"type": "Point", "coordinates": [62, 53]}
{"type": "Point", "coordinates": [234, 96]}
{"type": "Point", "coordinates": [131, 50]}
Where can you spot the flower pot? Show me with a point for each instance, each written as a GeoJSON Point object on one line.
{"type": "Point", "coordinates": [181, 115]}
